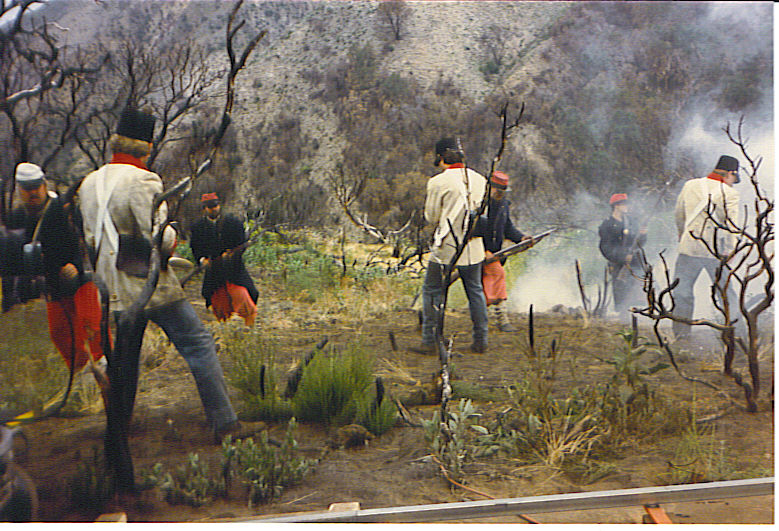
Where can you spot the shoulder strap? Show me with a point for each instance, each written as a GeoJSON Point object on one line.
{"type": "Point", "coordinates": [700, 207]}
{"type": "Point", "coordinates": [103, 221]}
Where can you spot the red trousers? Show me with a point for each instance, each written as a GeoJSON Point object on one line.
{"type": "Point", "coordinates": [230, 299]}
{"type": "Point", "coordinates": [493, 278]}
{"type": "Point", "coordinates": [74, 323]}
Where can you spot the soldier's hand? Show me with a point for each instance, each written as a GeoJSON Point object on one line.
{"type": "Point", "coordinates": [487, 254]}
{"type": "Point", "coordinates": [526, 238]}
{"type": "Point", "coordinates": [68, 272]}
{"type": "Point", "coordinates": [204, 261]}
{"type": "Point", "coordinates": [628, 258]}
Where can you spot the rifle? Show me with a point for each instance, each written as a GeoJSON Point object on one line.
{"type": "Point", "coordinates": [201, 267]}
{"type": "Point", "coordinates": [642, 225]}
{"type": "Point", "coordinates": [511, 250]}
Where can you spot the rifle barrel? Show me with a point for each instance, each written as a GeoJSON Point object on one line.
{"type": "Point", "coordinates": [509, 251]}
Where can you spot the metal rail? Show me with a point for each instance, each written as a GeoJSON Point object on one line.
{"type": "Point", "coordinates": [576, 501]}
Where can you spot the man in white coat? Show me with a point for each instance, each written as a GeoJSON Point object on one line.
{"type": "Point", "coordinates": [715, 193]}
{"type": "Point", "coordinates": [116, 202]}
{"type": "Point", "coordinates": [451, 195]}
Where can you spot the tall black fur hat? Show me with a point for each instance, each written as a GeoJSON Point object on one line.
{"type": "Point", "coordinates": [136, 124]}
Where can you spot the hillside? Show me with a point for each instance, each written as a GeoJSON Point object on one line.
{"type": "Point", "coordinates": [614, 92]}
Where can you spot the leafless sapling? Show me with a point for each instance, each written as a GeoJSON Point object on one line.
{"type": "Point", "coordinates": [393, 14]}
{"type": "Point", "coordinates": [34, 66]}
{"type": "Point", "coordinates": [444, 348]}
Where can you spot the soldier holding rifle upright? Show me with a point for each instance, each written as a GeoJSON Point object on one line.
{"type": "Point", "coordinates": [620, 238]}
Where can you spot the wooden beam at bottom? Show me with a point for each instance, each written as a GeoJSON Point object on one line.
{"type": "Point", "coordinates": [576, 501]}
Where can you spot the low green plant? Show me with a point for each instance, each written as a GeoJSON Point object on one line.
{"type": "Point", "coordinates": [184, 251]}
{"type": "Point", "coordinates": [627, 404]}
{"type": "Point", "coordinates": [264, 469]}
{"type": "Point", "coordinates": [191, 483]}
{"type": "Point", "coordinates": [310, 272]}
{"type": "Point", "coordinates": [451, 440]}
{"type": "Point", "coordinates": [261, 467]}
{"type": "Point", "coordinates": [553, 430]}
{"type": "Point", "coordinates": [92, 486]}
{"type": "Point", "coordinates": [702, 456]}
{"type": "Point", "coordinates": [252, 370]}
{"type": "Point", "coordinates": [628, 368]}
{"type": "Point", "coordinates": [331, 385]}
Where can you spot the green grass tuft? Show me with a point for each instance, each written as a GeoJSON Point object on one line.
{"type": "Point", "coordinates": [252, 370]}
{"type": "Point", "coordinates": [332, 385]}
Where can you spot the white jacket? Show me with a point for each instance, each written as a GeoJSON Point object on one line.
{"type": "Point", "coordinates": [129, 191]}
{"type": "Point", "coordinates": [691, 216]}
{"type": "Point", "coordinates": [450, 195]}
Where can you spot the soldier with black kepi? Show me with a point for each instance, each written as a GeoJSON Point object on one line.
{"type": "Point", "coordinates": [53, 251]}
{"type": "Point", "coordinates": [701, 202]}
{"type": "Point", "coordinates": [620, 238]}
{"type": "Point", "coordinates": [116, 206]}
{"type": "Point", "coordinates": [452, 196]}
{"type": "Point", "coordinates": [499, 227]}
{"type": "Point", "coordinates": [216, 241]}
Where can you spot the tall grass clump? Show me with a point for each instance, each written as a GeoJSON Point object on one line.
{"type": "Point", "coordinates": [252, 370]}
{"type": "Point", "coordinates": [376, 412]}
{"type": "Point", "coordinates": [332, 384]}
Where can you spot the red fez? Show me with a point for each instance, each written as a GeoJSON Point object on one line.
{"type": "Point", "coordinates": [209, 197]}
{"type": "Point", "coordinates": [618, 198]}
{"type": "Point", "coordinates": [500, 180]}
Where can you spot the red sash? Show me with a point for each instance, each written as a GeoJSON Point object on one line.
{"type": "Point", "coordinates": [493, 278]}
{"type": "Point", "coordinates": [80, 314]}
{"type": "Point", "coordinates": [230, 299]}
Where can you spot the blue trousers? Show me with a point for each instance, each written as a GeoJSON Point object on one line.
{"type": "Point", "coordinates": [432, 294]}
{"type": "Point", "coordinates": [687, 270]}
{"type": "Point", "coordinates": [196, 345]}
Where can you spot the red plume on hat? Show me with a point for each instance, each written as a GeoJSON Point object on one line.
{"type": "Point", "coordinates": [211, 196]}
{"type": "Point", "coordinates": [618, 198]}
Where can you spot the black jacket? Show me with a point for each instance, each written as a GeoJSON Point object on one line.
{"type": "Point", "coordinates": [210, 239]}
{"type": "Point", "coordinates": [499, 226]}
{"type": "Point", "coordinates": [59, 243]}
{"type": "Point", "coordinates": [620, 238]}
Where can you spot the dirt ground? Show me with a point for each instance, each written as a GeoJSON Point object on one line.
{"type": "Point", "coordinates": [391, 470]}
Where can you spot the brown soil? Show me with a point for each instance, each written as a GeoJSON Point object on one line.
{"type": "Point", "coordinates": [389, 472]}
